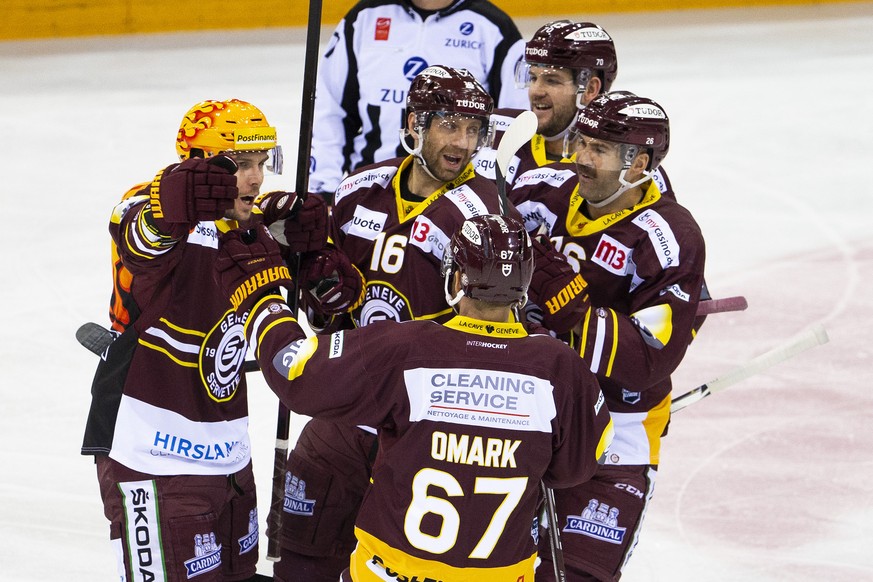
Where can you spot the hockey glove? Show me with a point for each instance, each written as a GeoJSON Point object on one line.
{"type": "Point", "coordinates": [299, 225]}
{"type": "Point", "coordinates": [181, 195]}
{"type": "Point", "coordinates": [331, 283]}
{"type": "Point", "coordinates": [557, 289]}
{"type": "Point", "coordinates": [277, 205]}
{"type": "Point", "coordinates": [249, 266]}
{"type": "Point", "coordinates": [533, 320]}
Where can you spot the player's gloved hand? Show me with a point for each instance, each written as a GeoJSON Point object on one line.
{"type": "Point", "coordinates": [277, 205]}
{"type": "Point", "coordinates": [533, 320]}
{"type": "Point", "coordinates": [249, 266]}
{"type": "Point", "coordinates": [557, 289]}
{"type": "Point", "coordinates": [181, 195]}
{"type": "Point", "coordinates": [299, 225]}
{"type": "Point", "coordinates": [331, 283]}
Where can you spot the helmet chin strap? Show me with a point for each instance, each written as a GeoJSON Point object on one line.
{"type": "Point", "coordinates": [416, 151]}
{"type": "Point", "coordinates": [625, 186]}
{"type": "Point", "coordinates": [563, 133]}
{"type": "Point", "coordinates": [452, 300]}
{"type": "Point", "coordinates": [560, 135]}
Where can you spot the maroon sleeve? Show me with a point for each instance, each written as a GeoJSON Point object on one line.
{"type": "Point", "coordinates": [643, 343]}
{"type": "Point", "coordinates": [583, 426]}
{"type": "Point", "coordinates": [305, 371]}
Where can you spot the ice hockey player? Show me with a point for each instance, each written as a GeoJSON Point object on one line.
{"type": "Point", "coordinates": [566, 65]}
{"type": "Point", "coordinates": [472, 415]}
{"type": "Point", "coordinates": [621, 285]}
{"type": "Point", "coordinates": [391, 224]}
{"type": "Point", "coordinates": [373, 55]}
{"type": "Point", "coordinates": [168, 424]}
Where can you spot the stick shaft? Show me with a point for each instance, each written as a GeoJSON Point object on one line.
{"type": "Point", "coordinates": [557, 548]}
{"type": "Point", "coordinates": [307, 108]}
{"type": "Point", "coordinates": [501, 192]}
{"type": "Point", "coordinates": [283, 420]}
{"type": "Point", "coordinates": [809, 338]}
{"type": "Point", "coordinates": [710, 306]}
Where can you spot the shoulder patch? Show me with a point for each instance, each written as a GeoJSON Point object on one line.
{"type": "Point", "coordinates": [380, 176]}
{"type": "Point", "coordinates": [661, 236]}
{"type": "Point", "coordinates": [467, 201]}
{"type": "Point", "coordinates": [429, 237]}
{"type": "Point", "coordinates": [613, 256]}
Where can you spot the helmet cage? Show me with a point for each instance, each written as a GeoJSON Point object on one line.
{"type": "Point", "coordinates": [627, 152]}
{"type": "Point", "coordinates": [424, 121]}
{"type": "Point", "coordinates": [581, 79]}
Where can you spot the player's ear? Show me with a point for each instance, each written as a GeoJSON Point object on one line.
{"type": "Point", "coordinates": [410, 125]}
{"type": "Point", "coordinates": [592, 88]}
{"type": "Point", "coordinates": [638, 166]}
{"type": "Point", "coordinates": [456, 282]}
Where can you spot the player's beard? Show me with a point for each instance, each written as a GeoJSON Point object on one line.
{"type": "Point", "coordinates": [448, 163]}
{"type": "Point", "coordinates": [554, 121]}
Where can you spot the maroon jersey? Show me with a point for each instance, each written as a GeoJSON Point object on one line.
{"type": "Point", "coordinates": [399, 245]}
{"type": "Point", "coordinates": [170, 399]}
{"type": "Point", "coordinates": [644, 268]}
{"type": "Point", "coordinates": [472, 415]}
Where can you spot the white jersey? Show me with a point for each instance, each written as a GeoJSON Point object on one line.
{"type": "Point", "coordinates": [374, 54]}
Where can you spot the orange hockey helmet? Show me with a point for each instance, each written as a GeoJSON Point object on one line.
{"type": "Point", "coordinates": [212, 127]}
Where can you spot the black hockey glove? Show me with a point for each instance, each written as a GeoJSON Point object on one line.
{"type": "Point", "coordinates": [299, 225]}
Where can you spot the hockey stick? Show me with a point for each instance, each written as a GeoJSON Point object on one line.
{"type": "Point", "coordinates": [96, 339]}
{"type": "Point", "coordinates": [710, 306]}
{"type": "Point", "coordinates": [304, 148]}
{"type": "Point", "coordinates": [520, 131]}
{"type": "Point", "coordinates": [811, 337]}
{"type": "Point", "coordinates": [554, 534]}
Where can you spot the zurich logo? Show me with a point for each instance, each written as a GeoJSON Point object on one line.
{"type": "Point", "coordinates": [466, 28]}
{"type": "Point", "coordinates": [413, 67]}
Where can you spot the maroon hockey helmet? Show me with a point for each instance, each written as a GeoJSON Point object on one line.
{"type": "Point", "coordinates": [576, 46]}
{"type": "Point", "coordinates": [624, 118]}
{"type": "Point", "coordinates": [444, 89]}
{"type": "Point", "coordinates": [494, 256]}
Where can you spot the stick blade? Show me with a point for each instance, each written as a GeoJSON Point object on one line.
{"type": "Point", "coordinates": [689, 398]}
{"type": "Point", "coordinates": [520, 131]}
{"type": "Point", "coordinates": [94, 337]}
